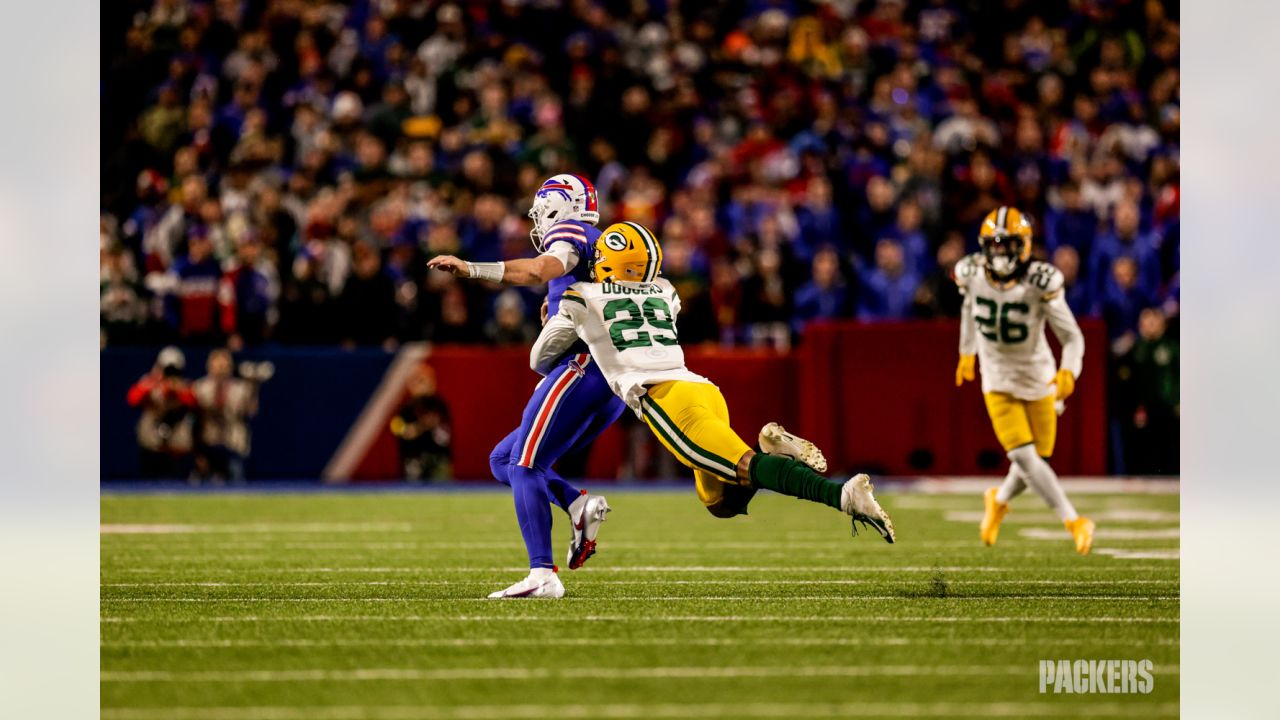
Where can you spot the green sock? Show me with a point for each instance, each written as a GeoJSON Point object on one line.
{"type": "Point", "coordinates": [789, 477]}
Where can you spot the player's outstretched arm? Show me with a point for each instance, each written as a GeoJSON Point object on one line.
{"type": "Point", "coordinates": [1064, 325]}
{"type": "Point", "coordinates": [558, 334]}
{"type": "Point", "coordinates": [556, 337]}
{"type": "Point", "coordinates": [968, 343]}
{"type": "Point", "coordinates": [522, 271]}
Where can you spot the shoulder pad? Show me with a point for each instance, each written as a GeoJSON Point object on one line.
{"type": "Point", "coordinates": [1046, 278]}
{"type": "Point", "coordinates": [570, 230]}
{"type": "Point", "coordinates": [969, 267]}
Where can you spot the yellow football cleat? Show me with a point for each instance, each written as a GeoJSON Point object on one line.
{"type": "Point", "coordinates": [1082, 530]}
{"type": "Point", "coordinates": [996, 510]}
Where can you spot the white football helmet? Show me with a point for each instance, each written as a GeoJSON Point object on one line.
{"type": "Point", "coordinates": [562, 197]}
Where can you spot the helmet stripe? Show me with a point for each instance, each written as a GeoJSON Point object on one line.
{"type": "Point", "coordinates": [651, 248]}
{"type": "Point", "coordinates": [591, 192]}
{"type": "Point", "coordinates": [1002, 218]}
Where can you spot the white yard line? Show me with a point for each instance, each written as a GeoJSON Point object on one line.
{"type": "Point", "coordinates": [573, 673]}
{"type": "Point", "coordinates": [270, 550]}
{"type": "Point", "coordinates": [1105, 533]}
{"type": "Point", "coordinates": [1144, 554]}
{"type": "Point", "coordinates": [618, 642]}
{"type": "Point", "coordinates": [1051, 707]}
{"type": "Point", "coordinates": [656, 598]}
{"type": "Point", "coordinates": [1073, 485]}
{"type": "Point", "coordinates": [433, 583]}
{"type": "Point", "coordinates": [1048, 518]}
{"type": "Point", "coordinates": [818, 619]}
{"type": "Point", "coordinates": [258, 527]}
{"type": "Point", "coordinates": [659, 569]}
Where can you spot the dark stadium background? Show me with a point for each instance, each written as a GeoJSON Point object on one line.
{"type": "Point", "coordinates": [813, 169]}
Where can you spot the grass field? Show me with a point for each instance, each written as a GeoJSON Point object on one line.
{"type": "Point", "coordinates": [349, 606]}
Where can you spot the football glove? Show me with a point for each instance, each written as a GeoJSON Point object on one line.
{"type": "Point", "coordinates": [964, 371]}
{"type": "Point", "coordinates": [1066, 383]}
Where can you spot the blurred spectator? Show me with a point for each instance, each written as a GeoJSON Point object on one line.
{"type": "Point", "coordinates": [938, 295]}
{"type": "Point", "coordinates": [877, 218]}
{"type": "Point", "coordinates": [226, 404]}
{"type": "Point", "coordinates": [192, 291]}
{"type": "Point", "coordinates": [1079, 295]}
{"type": "Point", "coordinates": [368, 301]}
{"type": "Point", "coordinates": [1126, 241]}
{"type": "Point", "coordinates": [510, 324]}
{"type": "Point", "coordinates": [1144, 399]}
{"type": "Point", "coordinates": [165, 428]}
{"type": "Point", "coordinates": [966, 129]}
{"type": "Point", "coordinates": [826, 296]}
{"type": "Point", "coordinates": [818, 220]}
{"type": "Point", "coordinates": [726, 299]}
{"type": "Point", "coordinates": [1069, 222]}
{"type": "Point", "coordinates": [1155, 363]}
{"type": "Point", "coordinates": [766, 305]}
{"type": "Point", "coordinates": [247, 296]}
{"type": "Point", "coordinates": [907, 230]}
{"type": "Point", "coordinates": [1122, 302]}
{"type": "Point", "coordinates": [697, 320]}
{"type": "Point", "coordinates": [887, 290]}
{"type": "Point", "coordinates": [455, 322]}
{"type": "Point", "coordinates": [306, 313]}
{"type": "Point", "coordinates": [423, 429]}
{"type": "Point", "coordinates": [166, 240]}
{"type": "Point", "coordinates": [122, 296]}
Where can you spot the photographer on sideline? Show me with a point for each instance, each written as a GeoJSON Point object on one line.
{"type": "Point", "coordinates": [226, 403]}
{"type": "Point", "coordinates": [165, 427]}
{"type": "Point", "coordinates": [424, 431]}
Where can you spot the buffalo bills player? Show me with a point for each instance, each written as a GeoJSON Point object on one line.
{"type": "Point", "coordinates": [571, 405]}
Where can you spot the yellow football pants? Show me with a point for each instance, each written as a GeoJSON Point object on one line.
{"type": "Point", "coordinates": [1022, 422]}
{"type": "Point", "coordinates": [691, 421]}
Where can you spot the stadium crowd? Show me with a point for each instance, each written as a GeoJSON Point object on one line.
{"type": "Point", "coordinates": [280, 170]}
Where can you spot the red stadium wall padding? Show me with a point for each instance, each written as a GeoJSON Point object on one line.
{"type": "Point", "coordinates": [879, 398]}
{"type": "Point", "coordinates": [883, 398]}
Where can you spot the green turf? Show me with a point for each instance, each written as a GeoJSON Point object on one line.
{"type": "Point", "coordinates": [372, 606]}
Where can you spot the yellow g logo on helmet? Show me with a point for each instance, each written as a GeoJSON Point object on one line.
{"type": "Point", "coordinates": [615, 241]}
{"type": "Point", "coordinates": [627, 252]}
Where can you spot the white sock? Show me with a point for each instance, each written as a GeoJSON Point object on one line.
{"type": "Point", "coordinates": [1037, 473]}
{"type": "Point", "coordinates": [541, 573]}
{"type": "Point", "coordinates": [1012, 486]}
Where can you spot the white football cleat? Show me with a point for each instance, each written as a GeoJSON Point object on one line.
{"type": "Point", "coordinates": [540, 583]}
{"type": "Point", "coordinates": [586, 514]}
{"type": "Point", "coordinates": [774, 440]}
{"type": "Point", "coordinates": [856, 500]}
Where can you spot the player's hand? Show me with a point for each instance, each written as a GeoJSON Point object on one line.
{"type": "Point", "coordinates": [1066, 383]}
{"type": "Point", "coordinates": [964, 370]}
{"type": "Point", "coordinates": [449, 264]}
{"type": "Point", "coordinates": [545, 305]}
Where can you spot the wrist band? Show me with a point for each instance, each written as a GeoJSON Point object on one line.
{"type": "Point", "coordinates": [487, 271]}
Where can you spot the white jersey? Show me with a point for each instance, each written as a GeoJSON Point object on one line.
{"type": "Point", "coordinates": [630, 329]}
{"type": "Point", "coordinates": [1004, 325]}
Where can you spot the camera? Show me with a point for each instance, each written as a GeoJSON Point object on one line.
{"type": "Point", "coordinates": [257, 371]}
